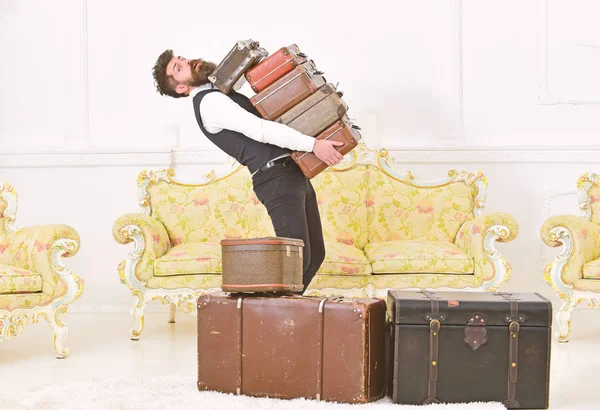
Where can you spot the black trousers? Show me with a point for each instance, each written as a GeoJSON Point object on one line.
{"type": "Point", "coordinates": [292, 205]}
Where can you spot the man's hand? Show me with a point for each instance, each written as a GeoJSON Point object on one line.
{"type": "Point", "coordinates": [326, 152]}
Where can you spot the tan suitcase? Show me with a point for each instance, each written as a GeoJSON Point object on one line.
{"type": "Point", "coordinates": [291, 346]}
{"type": "Point", "coordinates": [267, 264]}
{"type": "Point", "coordinates": [315, 113]}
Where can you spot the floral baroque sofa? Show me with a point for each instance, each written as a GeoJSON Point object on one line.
{"type": "Point", "coordinates": [382, 230]}
{"type": "Point", "coordinates": [575, 273]}
{"type": "Point", "coordinates": [34, 282]}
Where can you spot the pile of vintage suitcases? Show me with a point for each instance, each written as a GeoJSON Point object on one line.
{"type": "Point", "coordinates": [290, 90]}
{"type": "Point", "coordinates": [421, 347]}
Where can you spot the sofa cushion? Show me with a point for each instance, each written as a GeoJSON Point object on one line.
{"type": "Point", "coordinates": [591, 270]}
{"type": "Point", "coordinates": [225, 208]}
{"type": "Point", "coordinates": [341, 259]}
{"type": "Point", "coordinates": [16, 280]}
{"type": "Point", "coordinates": [190, 259]}
{"type": "Point", "coordinates": [587, 285]}
{"type": "Point", "coordinates": [341, 197]}
{"type": "Point", "coordinates": [418, 257]}
{"type": "Point", "coordinates": [397, 210]}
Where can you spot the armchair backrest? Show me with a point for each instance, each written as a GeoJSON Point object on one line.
{"type": "Point", "coordinates": [589, 196]}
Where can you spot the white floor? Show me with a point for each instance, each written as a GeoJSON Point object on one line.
{"type": "Point", "coordinates": [100, 347]}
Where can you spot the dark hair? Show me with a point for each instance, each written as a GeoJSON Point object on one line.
{"type": "Point", "coordinates": [165, 84]}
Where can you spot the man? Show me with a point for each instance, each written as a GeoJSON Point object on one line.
{"type": "Point", "coordinates": [235, 126]}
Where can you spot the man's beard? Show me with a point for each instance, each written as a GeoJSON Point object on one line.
{"type": "Point", "coordinates": [200, 71]}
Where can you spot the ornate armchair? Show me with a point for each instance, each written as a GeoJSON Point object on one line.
{"type": "Point", "coordinates": [34, 282]}
{"type": "Point", "coordinates": [575, 273]}
{"type": "Point", "coordinates": [382, 230]}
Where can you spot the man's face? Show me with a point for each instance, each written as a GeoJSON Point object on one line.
{"type": "Point", "coordinates": [189, 72]}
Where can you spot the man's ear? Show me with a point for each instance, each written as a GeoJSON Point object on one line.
{"type": "Point", "coordinates": [181, 89]}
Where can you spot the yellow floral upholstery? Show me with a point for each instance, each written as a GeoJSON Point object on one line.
{"type": "Point", "coordinates": [227, 208]}
{"type": "Point", "coordinates": [594, 195]}
{"type": "Point", "coordinates": [342, 259]}
{"type": "Point", "coordinates": [471, 239]}
{"type": "Point", "coordinates": [380, 229]}
{"type": "Point", "coordinates": [30, 248]}
{"type": "Point", "coordinates": [585, 238]}
{"type": "Point", "coordinates": [587, 285]}
{"type": "Point", "coordinates": [190, 259]}
{"type": "Point", "coordinates": [400, 211]}
{"type": "Point", "coordinates": [591, 270]}
{"type": "Point", "coordinates": [417, 256]}
{"type": "Point", "coordinates": [25, 301]}
{"type": "Point", "coordinates": [17, 280]}
{"type": "Point", "coordinates": [34, 282]}
{"type": "Point", "coordinates": [342, 204]}
{"type": "Point", "coordinates": [575, 273]}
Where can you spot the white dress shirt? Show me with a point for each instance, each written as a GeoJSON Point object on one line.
{"type": "Point", "coordinates": [219, 112]}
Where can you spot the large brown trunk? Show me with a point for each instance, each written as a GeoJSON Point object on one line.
{"type": "Point", "coordinates": [471, 346]}
{"type": "Point", "coordinates": [290, 347]}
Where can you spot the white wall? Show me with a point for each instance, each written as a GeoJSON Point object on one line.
{"type": "Point", "coordinates": [506, 87]}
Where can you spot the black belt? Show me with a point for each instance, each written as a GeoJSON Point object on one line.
{"type": "Point", "coordinates": [285, 161]}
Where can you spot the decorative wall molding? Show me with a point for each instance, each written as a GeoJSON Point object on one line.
{"type": "Point", "coordinates": [415, 155]}
{"type": "Point", "coordinates": [525, 155]}
{"type": "Point", "coordinates": [546, 96]}
{"type": "Point", "coordinates": [82, 159]}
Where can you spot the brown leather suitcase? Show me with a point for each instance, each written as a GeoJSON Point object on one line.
{"type": "Point", "coordinates": [274, 67]}
{"type": "Point", "coordinates": [471, 346]}
{"type": "Point", "coordinates": [267, 264]}
{"type": "Point", "coordinates": [229, 74]}
{"type": "Point", "coordinates": [291, 346]}
{"type": "Point", "coordinates": [342, 130]}
{"type": "Point", "coordinates": [288, 91]}
{"type": "Point", "coordinates": [315, 113]}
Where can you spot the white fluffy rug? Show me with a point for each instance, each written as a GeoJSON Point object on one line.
{"type": "Point", "coordinates": [176, 393]}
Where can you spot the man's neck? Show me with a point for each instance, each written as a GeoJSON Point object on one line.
{"type": "Point", "coordinates": [196, 89]}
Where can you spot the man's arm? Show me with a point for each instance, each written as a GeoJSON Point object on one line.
{"type": "Point", "coordinates": [220, 111]}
